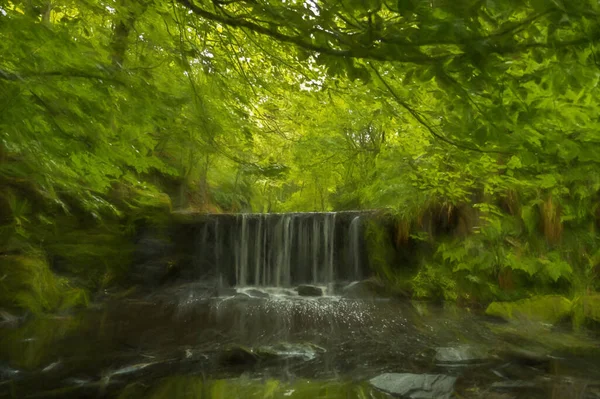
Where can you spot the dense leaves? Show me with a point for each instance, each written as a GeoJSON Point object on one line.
{"type": "Point", "coordinates": [474, 122]}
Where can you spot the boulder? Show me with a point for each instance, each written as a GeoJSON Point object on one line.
{"type": "Point", "coordinates": [547, 309]}
{"type": "Point", "coordinates": [309, 290]}
{"type": "Point", "coordinates": [415, 386]}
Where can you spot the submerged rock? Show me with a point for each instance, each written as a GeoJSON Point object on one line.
{"type": "Point", "coordinates": [238, 356]}
{"type": "Point", "coordinates": [415, 386]}
{"type": "Point", "coordinates": [547, 308]}
{"type": "Point", "coordinates": [461, 354]}
{"type": "Point", "coordinates": [309, 290]}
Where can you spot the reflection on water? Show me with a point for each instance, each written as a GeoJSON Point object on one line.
{"type": "Point", "coordinates": [272, 343]}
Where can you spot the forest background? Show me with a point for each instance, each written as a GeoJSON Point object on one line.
{"type": "Point", "coordinates": [473, 124]}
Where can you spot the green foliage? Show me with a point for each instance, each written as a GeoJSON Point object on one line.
{"type": "Point", "coordinates": [586, 310]}
{"type": "Point", "coordinates": [28, 284]}
{"type": "Point", "coordinates": [472, 122]}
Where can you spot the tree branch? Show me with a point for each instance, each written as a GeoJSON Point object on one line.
{"type": "Point", "coordinates": [424, 123]}
{"type": "Point", "coordinates": [300, 41]}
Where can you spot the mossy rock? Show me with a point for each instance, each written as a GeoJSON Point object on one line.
{"type": "Point", "coordinates": [586, 310]}
{"type": "Point", "coordinates": [547, 309]}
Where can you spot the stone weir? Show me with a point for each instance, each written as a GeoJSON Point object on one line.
{"type": "Point", "coordinates": [273, 249]}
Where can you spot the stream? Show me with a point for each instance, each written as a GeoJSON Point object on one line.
{"type": "Point", "coordinates": [192, 340]}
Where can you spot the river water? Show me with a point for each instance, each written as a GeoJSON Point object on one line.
{"type": "Point", "coordinates": [189, 341]}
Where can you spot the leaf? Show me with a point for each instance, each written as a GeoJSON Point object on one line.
{"type": "Point", "coordinates": [547, 181]}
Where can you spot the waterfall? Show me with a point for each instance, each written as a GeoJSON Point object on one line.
{"type": "Point", "coordinates": [280, 249]}
{"type": "Point", "coordinates": [315, 243]}
{"type": "Point", "coordinates": [354, 246]}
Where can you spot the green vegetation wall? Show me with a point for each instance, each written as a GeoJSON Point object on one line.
{"type": "Point", "coordinates": [473, 123]}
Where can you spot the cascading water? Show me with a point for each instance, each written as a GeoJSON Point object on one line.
{"type": "Point", "coordinates": [355, 236]}
{"type": "Point", "coordinates": [280, 250]}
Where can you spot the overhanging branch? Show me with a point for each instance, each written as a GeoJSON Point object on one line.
{"type": "Point", "coordinates": [419, 118]}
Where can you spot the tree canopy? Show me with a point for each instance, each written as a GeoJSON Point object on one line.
{"type": "Point", "coordinates": [483, 112]}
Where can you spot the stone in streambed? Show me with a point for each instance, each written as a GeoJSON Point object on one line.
{"type": "Point", "coordinates": [309, 290]}
{"type": "Point", "coordinates": [415, 386]}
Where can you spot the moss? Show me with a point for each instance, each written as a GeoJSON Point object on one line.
{"type": "Point", "coordinates": [27, 283]}
{"type": "Point", "coordinates": [547, 308]}
{"type": "Point", "coordinates": [96, 256]}
{"type": "Point", "coordinates": [586, 310]}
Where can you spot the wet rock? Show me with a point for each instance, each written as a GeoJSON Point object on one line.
{"type": "Point", "coordinates": [364, 289]}
{"type": "Point", "coordinates": [306, 351]}
{"type": "Point", "coordinates": [309, 290]}
{"type": "Point", "coordinates": [547, 308]}
{"type": "Point", "coordinates": [241, 296]}
{"type": "Point", "coordinates": [462, 354]}
{"type": "Point", "coordinates": [152, 265]}
{"type": "Point", "coordinates": [415, 386]}
{"type": "Point", "coordinates": [256, 293]}
{"type": "Point", "coordinates": [238, 356]}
